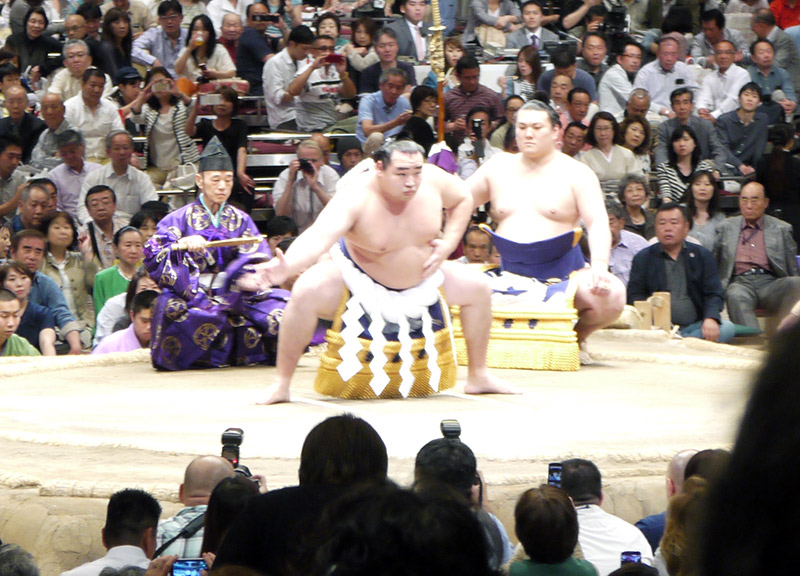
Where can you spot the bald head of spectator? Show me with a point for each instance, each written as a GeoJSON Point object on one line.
{"type": "Point", "coordinates": [676, 470]}
{"type": "Point", "coordinates": [638, 103]}
{"type": "Point", "coordinates": [324, 143]}
{"type": "Point", "coordinates": [231, 27]}
{"type": "Point", "coordinates": [52, 110]}
{"type": "Point", "coordinates": [75, 27]}
{"type": "Point", "coordinates": [16, 102]}
{"type": "Point", "coordinates": [201, 477]}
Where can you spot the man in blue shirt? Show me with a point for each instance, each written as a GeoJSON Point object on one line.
{"type": "Point", "coordinates": [386, 110]}
{"type": "Point", "coordinates": [254, 50]}
{"type": "Point", "coordinates": [772, 80]}
{"type": "Point", "coordinates": [160, 46]}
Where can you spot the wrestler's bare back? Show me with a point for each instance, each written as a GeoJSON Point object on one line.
{"type": "Point", "coordinates": [535, 201]}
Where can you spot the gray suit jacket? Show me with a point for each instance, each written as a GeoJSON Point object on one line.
{"type": "Point", "coordinates": [519, 38]}
{"type": "Point", "coordinates": [710, 146]}
{"type": "Point", "coordinates": [781, 247]}
{"type": "Point", "coordinates": [787, 56]}
{"type": "Point", "coordinates": [404, 39]}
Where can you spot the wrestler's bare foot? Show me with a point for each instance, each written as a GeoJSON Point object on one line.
{"type": "Point", "coordinates": [583, 355]}
{"type": "Point", "coordinates": [278, 394]}
{"type": "Point", "coordinates": [487, 384]}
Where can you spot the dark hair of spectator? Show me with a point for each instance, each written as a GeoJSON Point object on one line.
{"type": "Point", "coordinates": [761, 41]}
{"type": "Point", "coordinates": [677, 134]}
{"type": "Point", "coordinates": [752, 87]}
{"type": "Point", "coordinates": [707, 464]}
{"type": "Point", "coordinates": [153, 101]}
{"type": "Point", "coordinates": [342, 450]}
{"type": "Point", "coordinates": [89, 11]}
{"type": "Point", "coordinates": [97, 190]}
{"type": "Point", "coordinates": [510, 139]}
{"type": "Point", "coordinates": [27, 233]}
{"type": "Point", "coordinates": [598, 11]}
{"type": "Point", "coordinates": [301, 35]}
{"type": "Point", "coordinates": [370, 28]}
{"type": "Point", "coordinates": [16, 266]}
{"type": "Point", "coordinates": [466, 63]}
{"type": "Point", "coordinates": [286, 243]}
{"type": "Point", "coordinates": [715, 16]}
{"type": "Point", "coordinates": [713, 204]}
{"type": "Point", "coordinates": [546, 524]}
{"type": "Point", "coordinates": [764, 16]}
{"type": "Point", "coordinates": [563, 58]}
{"type": "Point", "coordinates": [774, 178]}
{"type": "Point", "coordinates": [31, 11]}
{"type": "Point", "coordinates": [668, 206]}
{"type": "Point", "coordinates": [48, 220]}
{"type": "Point", "coordinates": [386, 32]}
{"type": "Point", "coordinates": [419, 94]}
{"type": "Point", "coordinates": [527, 3]}
{"type": "Point", "coordinates": [447, 461]}
{"type": "Point", "coordinates": [167, 6]}
{"type": "Point", "coordinates": [226, 501]}
{"type": "Point", "coordinates": [571, 94]}
{"type": "Point", "coordinates": [145, 300]}
{"type": "Point", "coordinates": [328, 16]}
{"type": "Point", "coordinates": [596, 34]}
{"type": "Point", "coordinates": [8, 70]}
{"type": "Point", "coordinates": [142, 217]}
{"type": "Point", "coordinates": [140, 273]}
{"type": "Point", "coordinates": [635, 569]}
{"type": "Point", "coordinates": [680, 92]}
{"type": "Point", "coordinates": [478, 110]}
{"type": "Point", "coordinates": [126, 43]}
{"type": "Point", "coordinates": [608, 117]}
{"type": "Point", "coordinates": [530, 56]}
{"type": "Point", "coordinates": [92, 72]}
{"type": "Point", "coordinates": [208, 26]}
{"type": "Point", "coordinates": [642, 148]}
{"type": "Point", "coordinates": [581, 480]}
{"type": "Point", "coordinates": [129, 515]}
{"type": "Point", "coordinates": [280, 225]}
{"type": "Point", "coordinates": [14, 561]}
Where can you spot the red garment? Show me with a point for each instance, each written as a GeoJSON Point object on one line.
{"type": "Point", "coordinates": [230, 46]}
{"type": "Point", "coordinates": [785, 15]}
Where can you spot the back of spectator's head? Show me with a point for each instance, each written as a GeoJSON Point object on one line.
{"type": "Point", "coordinates": [201, 477]}
{"type": "Point", "coordinates": [582, 481]}
{"type": "Point", "coordinates": [419, 94]}
{"type": "Point", "coordinates": [160, 209]}
{"type": "Point", "coordinates": [546, 524]}
{"type": "Point", "coordinates": [781, 134]}
{"type": "Point", "coordinates": [343, 450]}
{"type": "Point", "coordinates": [635, 569]}
{"type": "Point", "coordinates": [563, 59]}
{"type": "Point", "coordinates": [14, 561]}
{"type": "Point", "coordinates": [764, 16]}
{"type": "Point", "coordinates": [447, 461]}
{"type": "Point", "coordinates": [301, 35]}
{"type": "Point", "coordinates": [227, 500]}
{"type": "Point", "coordinates": [707, 464]}
{"type": "Point", "coordinates": [676, 471]}
{"type": "Point", "coordinates": [280, 226]}
{"type": "Point", "coordinates": [131, 519]}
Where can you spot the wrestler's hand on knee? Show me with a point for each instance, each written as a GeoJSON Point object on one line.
{"type": "Point", "coordinates": [266, 274]}
{"type": "Point", "coordinates": [193, 243]}
{"type": "Point", "coordinates": [601, 282]}
{"type": "Point", "coordinates": [436, 258]}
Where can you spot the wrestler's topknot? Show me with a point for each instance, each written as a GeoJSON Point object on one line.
{"type": "Point", "coordinates": [543, 107]}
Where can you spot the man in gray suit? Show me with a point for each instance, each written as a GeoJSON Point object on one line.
{"type": "Point", "coordinates": [682, 100]}
{"type": "Point", "coordinates": [411, 31]}
{"type": "Point", "coordinates": [756, 258]}
{"type": "Point", "coordinates": [786, 53]}
{"type": "Point", "coordinates": [532, 32]}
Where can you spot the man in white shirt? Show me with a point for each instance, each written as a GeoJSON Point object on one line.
{"type": "Point", "coordinates": [662, 76]}
{"type": "Point", "coordinates": [472, 155]}
{"type": "Point", "coordinates": [131, 186]}
{"type": "Point", "coordinates": [720, 89]}
{"type": "Point", "coordinates": [93, 115]}
{"type": "Point", "coordinates": [411, 31]}
{"type": "Point", "coordinates": [617, 83]}
{"type": "Point", "coordinates": [217, 9]}
{"type": "Point", "coordinates": [602, 536]}
{"type": "Point", "coordinates": [279, 72]}
{"type": "Point", "coordinates": [129, 534]}
{"type": "Point", "coordinates": [67, 81]}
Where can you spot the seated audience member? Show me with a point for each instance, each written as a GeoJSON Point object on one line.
{"type": "Point", "coordinates": [32, 44]}
{"type": "Point", "coordinates": [531, 33]}
{"type": "Point", "coordinates": [77, 59]}
{"type": "Point", "coordinates": [19, 122]}
{"type": "Point", "coordinates": [138, 11]}
{"type": "Point", "coordinates": [52, 193]}
{"type": "Point", "coordinates": [624, 244]}
{"type": "Point", "coordinates": [756, 257]}
{"type": "Point", "coordinates": [634, 134]}
{"type": "Point", "coordinates": [512, 104]}
{"type": "Point", "coordinates": [279, 73]}
{"type": "Point", "coordinates": [115, 280]}
{"type": "Point", "coordinates": [129, 534]}
{"type": "Point", "coordinates": [500, 16]}
{"type": "Point", "coordinates": [743, 132]}
{"type": "Point", "coordinates": [93, 115]}
{"type": "Point", "coordinates": [787, 55]}
{"type": "Point", "coordinates": [704, 45]}
{"type": "Point", "coordinates": [386, 48]}
{"type": "Point", "coordinates": [423, 106]}
{"type": "Point", "coordinates": [632, 194]}
{"type": "Point", "coordinates": [688, 272]}
{"type": "Point", "coordinates": [36, 323]}
{"type": "Point", "coordinates": [305, 187]}
{"type": "Point", "coordinates": [682, 102]}
{"type": "Point", "coordinates": [28, 248]}
{"type": "Point", "coordinates": [578, 18]}
{"type": "Point", "coordinates": [12, 181]}
{"type": "Point", "coordinates": [579, 108]}
{"type": "Point", "coordinates": [565, 62]}
{"type": "Point", "coordinates": [702, 201]}
{"type": "Point", "coordinates": [115, 315]}
{"type": "Point", "coordinates": [45, 151]}
{"type": "Point", "coordinates": [638, 104]}
{"type": "Point", "coordinates": [473, 153]}
{"type": "Point", "coordinates": [12, 345]}
{"type": "Point", "coordinates": [231, 32]}
{"type": "Point", "coordinates": [101, 205]}
{"type": "Point", "coordinates": [5, 241]}
{"type": "Point", "coordinates": [9, 76]}
{"type": "Point", "coordinates": [227, 500]}
{"type": "Point", "coordinates": [774, 81]}
{"type": "Point", "coordinates": [720, 87]}
{"type": "Point", "coordinates": [349, 153]}
{"type": "Point", "coordinates": [663, 76]}
{"type": "Point", "coordinates": [254, 49]}
{"type": "Point", "coordinates": [595, 52]}
{"type": "Point", "coordinates": [467, 95]}
{"type": "Point", "coordinates": [683, 161]}
{"type": "Point", "coordinates": [33, 205]}
{"type": "Point", "coordinates": [412, 32]}
{"type": "Point", "coordinates": [93, 17]}
{"type": "Point", "coordinates": [686, 511]}
{"type": "Point", "coordinates": [71, 270]}
{"type": "Point", "coordinates": [204, 57]}
{"type": "Point", "coordinates": [200, 478]}
{"type": "Point", "coordinates": [319, 85]}
{"type": "Point", "coordinates": [146, 222]}
{"type": "Point", "coordinates": [117, 41]}
{"type": "Point", "coordinates": [137, 335]}
{"type": "Point", "coordinates": [602, 536]}
{"type": "Point", "coordinates": [279, 228]}
{"type": "Point", "coordinates": [546, 525]}
{"type": "Point", "coordinates": [524, 77]}
{"type": "Point", "coordinates": [616, 85]}
{"type": "Point", "coordinates": [160, 46]}
{"type": "Point", "coordinates": [608, 160]}
{"type": "Point", "coordinates": [385, 111]}
{"type": "Point", "coordinates": [574, 139]}
{"type": "Point", "coordinates": [265, 535]}
{"type": "Point", "coordinates": [653, 526]}
{"type": "Point", "coordinates": [166, 144]}
{"type": "Point", "coordinates": [476, 246]}
{"type": "Point", "coordinates": [126, 96]}
{"type": "Point", "coordinates": [449, 463]}
{"type": "Point", "coordinates": [131, 186]}
{"type": "Point", "coordinates": [560, 87]}
{"type": "Point", "coordinates": [779, 173]}
{"type": "Point", "coordinates": [70, 174]}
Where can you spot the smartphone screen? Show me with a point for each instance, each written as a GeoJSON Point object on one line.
{"type": "Point", "coordinates": [630, 557]}
{"type": "Point", "coordinates": [554, 474]}
{"type": "Point", "coordinates": [188, 567]}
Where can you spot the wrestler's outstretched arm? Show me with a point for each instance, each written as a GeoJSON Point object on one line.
{"type": "Point", "coordinates": [458, 204]}
{"type": "Point", "coordinates": [478, 184]}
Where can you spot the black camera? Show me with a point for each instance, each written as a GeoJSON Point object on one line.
{"type": "Point", "coordinates": [265, 17]}
{"type": "Point", "coordinates": [306, 166]}
{"type": "Point", "coordinates": [232, 438]}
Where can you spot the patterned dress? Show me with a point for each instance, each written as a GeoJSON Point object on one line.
{"type": "Point", "coordinates": [202, 318]}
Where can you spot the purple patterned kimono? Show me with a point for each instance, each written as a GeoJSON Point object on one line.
{"type": "Point", "coordinates": [195, 325]}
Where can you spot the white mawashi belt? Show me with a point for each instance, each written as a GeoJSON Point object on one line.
{"type": "Point", "coordinates": [384, 305]}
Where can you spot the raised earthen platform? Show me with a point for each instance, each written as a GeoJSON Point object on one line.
{"type": "Point", "coordinates": [72, 431]}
